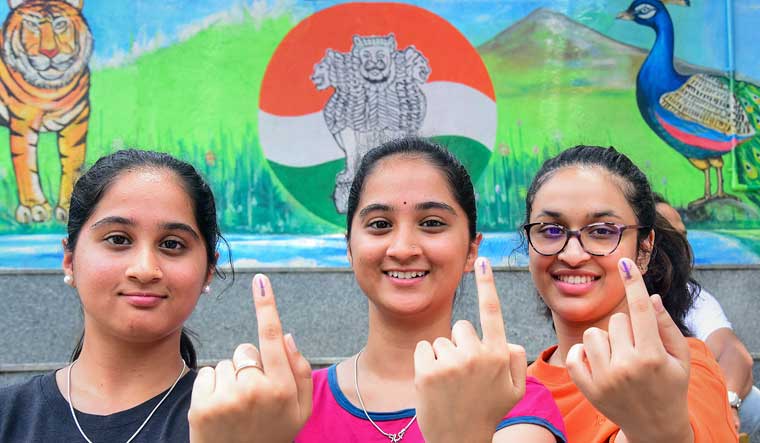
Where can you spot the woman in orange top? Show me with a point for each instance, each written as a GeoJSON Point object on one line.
{"type": "Point", "coordinates": [622, 370]}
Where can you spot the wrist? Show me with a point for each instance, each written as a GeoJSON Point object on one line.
{"type": "Point", "coordinates": [734, 400]}
{"type": "Point", "coordinates": [681, 434]}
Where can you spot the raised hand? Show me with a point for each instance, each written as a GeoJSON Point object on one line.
{"type": "Point", "coordinates": [637, 374]}
{"type": "Point", "coordinates": [262, 399]}
{"type": "Point", "coordinates": [465, 386]}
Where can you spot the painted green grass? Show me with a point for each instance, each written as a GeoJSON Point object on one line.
{"type": "Point", "coordinates": [199, 101]}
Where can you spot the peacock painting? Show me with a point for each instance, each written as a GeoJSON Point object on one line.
{"type": "Point", "coordinates": [702, 116]}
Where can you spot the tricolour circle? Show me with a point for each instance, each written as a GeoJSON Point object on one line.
{"type": "Point", "coordinates": [303, 150]}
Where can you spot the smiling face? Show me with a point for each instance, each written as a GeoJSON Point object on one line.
{"type": "Point", "coordinates": [580, 288]}
{"type": "Point", "coordinates": [139, 263]}
{"type": "Point", "coordinates": [410, 243]}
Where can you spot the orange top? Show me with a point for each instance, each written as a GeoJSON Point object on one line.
{"type": "Point", "coordinates": [709, 412]}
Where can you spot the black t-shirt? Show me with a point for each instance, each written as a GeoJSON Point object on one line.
{"type": "Point", "coordinates": [36, 411]}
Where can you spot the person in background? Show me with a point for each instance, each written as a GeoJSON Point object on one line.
{"type": "Point", "coordinates": [707, 321]}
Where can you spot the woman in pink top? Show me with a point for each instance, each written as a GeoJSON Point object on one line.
{"type": "Point", "coordinates": [411, 237]}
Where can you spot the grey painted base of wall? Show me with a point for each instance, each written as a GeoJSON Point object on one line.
{"type": "Point", "coordinates": [325, 310]}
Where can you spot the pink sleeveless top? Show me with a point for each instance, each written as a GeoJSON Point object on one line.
{"type": "Point", "coordinates": [335, 418]}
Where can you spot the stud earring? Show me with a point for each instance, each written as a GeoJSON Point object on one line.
{"type": "Point", "coordinates": [69, 280]}
{"type": "Point", "coordinates": [206, 289]}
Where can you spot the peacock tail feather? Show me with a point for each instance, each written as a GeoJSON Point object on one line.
{"type": "Point", "coordinates": [747, 154]}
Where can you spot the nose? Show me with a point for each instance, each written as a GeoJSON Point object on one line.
{"type": "Point", "coordinates": [573, 254]}
{"type": "Point", "coordinates": [145, 266]}
{"type": "Point", "coordinates": [48, 46]}
{"type": "Point", "coordinates": [49, 52]}
{"type": "Point", "coordinates": [403, 246]}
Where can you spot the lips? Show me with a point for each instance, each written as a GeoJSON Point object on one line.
{"type": "Point", "coordinates": [143, 299]}
{"type": "Point", "coordinates": [576, 279]}
{"type": "Point", "coordinates": [406, 278]}
{"type": "Point", "coordinates": [574, 282]}
{"type": "Point", "coordinates": [406, 275]}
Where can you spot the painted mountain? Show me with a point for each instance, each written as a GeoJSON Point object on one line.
{"type": "Point", "coordinates": [566, 53]}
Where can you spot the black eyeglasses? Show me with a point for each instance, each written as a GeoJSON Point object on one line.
{"type": "Point", "coordinates": [597, 238]}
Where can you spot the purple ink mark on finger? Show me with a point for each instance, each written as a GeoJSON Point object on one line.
{"type": "Point", "coordinates": [483, 267]}
{"type": "Point", "coordinates": [626, 269]}
{"type": "Point", "coordinates": [261, 285]}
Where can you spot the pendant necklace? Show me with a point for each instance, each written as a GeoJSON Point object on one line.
{"type": "Point", "coordinates": [394, 438]}
{"type": "Point", "coordinates": [74, 415]}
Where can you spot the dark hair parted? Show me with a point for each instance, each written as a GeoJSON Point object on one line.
{"type": "Point", "coordinates": [671, 260]}
{"type": "Point", "coordinates": [90, 188]}
{"type": "Point", "coordinates": [456, 174]}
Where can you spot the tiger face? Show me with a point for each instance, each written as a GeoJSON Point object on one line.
{"type": "Point", "coordinates": [47, 41]}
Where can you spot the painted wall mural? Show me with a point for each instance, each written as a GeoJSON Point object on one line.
{"type": "Point", "coordinates": [276, 101]}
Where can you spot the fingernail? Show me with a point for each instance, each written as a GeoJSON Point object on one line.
{"type": "Point", "coordinates": [250, 351]}
{"type": "Point", "coordinates": [291, 343]}
{"type": "Point", "coordinates": [626, 268]}
{"type": "Point", "coordinates": [657, 303]}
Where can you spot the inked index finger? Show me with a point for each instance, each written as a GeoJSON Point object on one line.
{"type": "Point", "coordinates": [643, 319]}
{"type": "Point", "coordinates": [271, 344]}
{"type": "Point", "coordinates": [491, 321]}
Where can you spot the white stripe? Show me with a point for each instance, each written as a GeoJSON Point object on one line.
{"type": "Point", "coordinates": [297, 141]}
{"type": "Point", "coordinates": [452, 109]}
{"type": "Point", "coordinates": [457, 109]}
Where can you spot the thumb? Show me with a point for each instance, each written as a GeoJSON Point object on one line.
{"type": "Point", "coordinates": [672, 338]}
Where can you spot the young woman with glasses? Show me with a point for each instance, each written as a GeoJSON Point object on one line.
{"type": "Point", "coordinates": [622, 370]}
{"type": "Point", "coordinates": [411, 231]}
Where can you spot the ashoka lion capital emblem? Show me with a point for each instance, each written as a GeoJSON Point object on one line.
{"type": "Point", "coordinates": [377, 98]}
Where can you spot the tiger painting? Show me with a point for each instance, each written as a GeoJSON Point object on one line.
{"type": "Point", "coordinates": [45, 49]}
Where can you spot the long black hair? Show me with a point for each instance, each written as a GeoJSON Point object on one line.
{"type": "Point", "coordinates": [91, 187]}
{"type": "Point", "coordinates": [671, 259]}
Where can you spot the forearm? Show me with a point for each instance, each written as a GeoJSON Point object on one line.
{"type": "Point", "coordinates": [736, 364]}
{"type": "Point", "coordinates": [737, 380]}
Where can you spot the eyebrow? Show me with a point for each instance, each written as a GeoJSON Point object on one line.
{"type": "Point", "coordinates": [547, 213]}
{"type": "Point", "coordinates": [177, 226]}
{"type": "Point", "coordinates": [170, 226]}
{"type": "Point", "coordinates": [435, 205]}
{"type": "Point", "coordinates": [601, 214]}
{"type": "Point", "coordinates": [598, 214]}
{"type": "Point", "coordinates": [112, 220]}
{"type": "Point", "coordinates": [424, 206]}
{"type": "Point", "coordinates": [374, 207]}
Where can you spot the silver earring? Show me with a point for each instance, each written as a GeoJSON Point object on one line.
{"type": "Point", "coordinates": [68, 279]}
{"type": "Point", "coordinates": [206, 289]}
